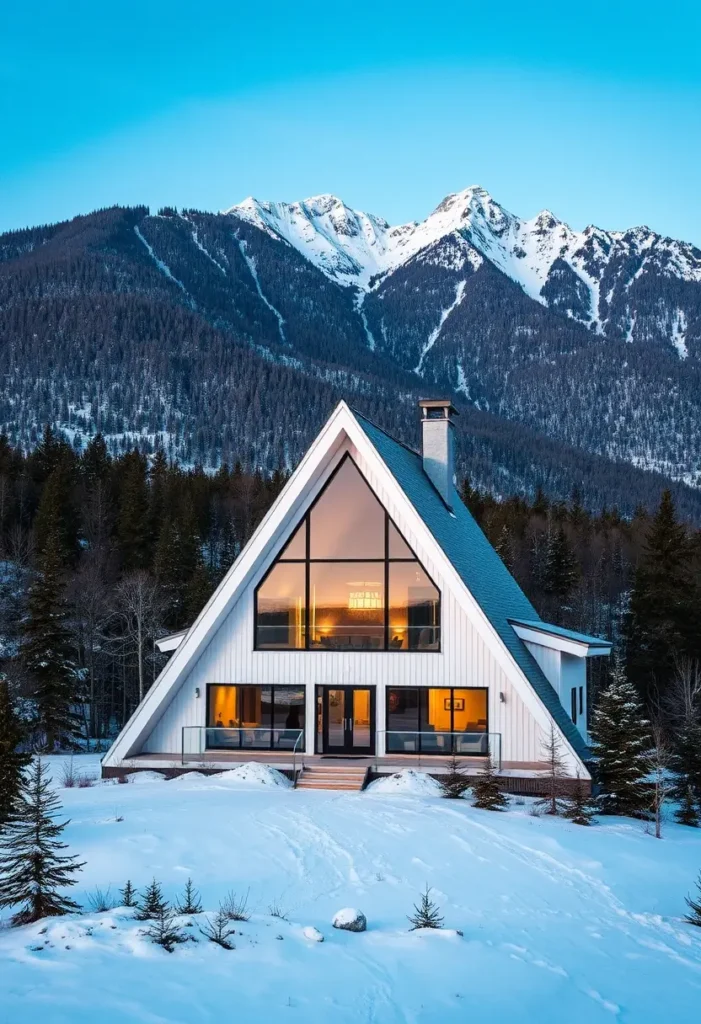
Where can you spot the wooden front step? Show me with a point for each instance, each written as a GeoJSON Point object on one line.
{"type": "Point", "coordinates": [330, 777]}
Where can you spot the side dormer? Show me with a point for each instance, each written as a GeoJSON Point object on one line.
{"type": "Point", "coordinates": [562, 655]}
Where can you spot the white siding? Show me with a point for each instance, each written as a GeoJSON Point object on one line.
{"type": "Point", "coordinates": [574, 675]}
{"type": "Point", "coordinates": [465, 660]}
{"type": "Point", "coordinates": [565, 672]}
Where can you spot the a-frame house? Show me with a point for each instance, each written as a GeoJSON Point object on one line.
{"type": "Point", "coordinates": [369, 618]}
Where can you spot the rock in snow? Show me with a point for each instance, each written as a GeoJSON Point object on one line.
{"type": "Point", "coordinates": [350, 920]}
{"type": "Point", "coordinates": [310, 932]}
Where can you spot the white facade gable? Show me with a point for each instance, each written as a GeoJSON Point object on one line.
{"type": "Point", "coordinates": [219, 647]}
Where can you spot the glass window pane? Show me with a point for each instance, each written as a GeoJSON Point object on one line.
{"type": "Point", "coordinates": [469, 710]}
{"type": "Point", "coordinates": [414, 622]}
{"type": "Point", "coordinates": [223, 711]}
{"type": "Point", "coordinates": [402, 720]}
{"type": "Point", "coordinates": [435, 718]}
{"type": "Point", "coordinates": [470, 721]}
{"type": "Point", "coordinates": [398, 547]}
{"type": "Point", "coordinates": [297, 545]}
{"type": "Point", "coordinates": [280, 607]}
{"type": "Point", "coordinates": [347, 520]}
{"type": "Point", "coordinates": [254, 711]}
{"type": "Point", "coordinates": [288, 717]}
{"type": "Point", "coordinates": [346, 605]}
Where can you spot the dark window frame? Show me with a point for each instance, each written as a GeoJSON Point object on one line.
{"type": "Point", "coordinates": [308, 561]}
{"type": "Point", "coordinates": [320, 706]}
{"type": "Point", "coordinates": [425, 689]}
{"type": "Point", "coordinates": [272, 687]}
{"type": "Point", "coordinates": [573, 704]}
{"type": "Point", "coordinates": [581, 700]}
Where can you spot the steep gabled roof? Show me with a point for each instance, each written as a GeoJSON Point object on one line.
{"type": "Point", "coordinates": [476, 562]}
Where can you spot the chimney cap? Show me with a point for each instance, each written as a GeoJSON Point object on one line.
{"type": "Point", "coordinates": [438, 403]}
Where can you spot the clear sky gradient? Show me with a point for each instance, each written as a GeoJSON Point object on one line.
{"type": "Point", "coordinates": [593, 111]}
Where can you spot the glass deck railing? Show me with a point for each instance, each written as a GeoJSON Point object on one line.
{"type": "Point", "coordinates": [202, 743]}
{"type": "Point", "coordinates": [440, 743]}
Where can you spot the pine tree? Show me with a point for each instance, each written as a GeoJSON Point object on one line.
{"type": "Point", "coordinates": [661, 619]}
{"type": "Point", "coordinates": [687, 812]}
{"type": "Point", "coordinates": [46, 651]}
{"type": "Point", "coordinates": [552, 756]}
{"type": "Point", "coordinates": [178, 555]}
{"type": "Point", "coordinates": [12, 761]}
{"type": "Point", "coordinates": [199, 590]}
{"type": "Point", "coordinates": [56, 520]}
{"type": "Point", "coordinates": [128, 894]}
{"type": "Point", "coordinates": [694, 915]}
{"type": "Point", "coordinates": [152, 902]}
{"type": "Point", "coordinates": [220, 930]}
{"type": "Point", "coordinates": [485, 789]}
{"type": "Point", "coordinates": [504, 547]}
{"type": "Point", "coordinates": [426, 914]}
{"type": "Point", "coordinates": [686, 763]}
{"type": "Point", "coordinates": [133, 532]}
{"type": "Point", "coordinates": [561, 569]}
{"type": "Point", "coordinates": [578, 807]}
{"type": "Point", "coordinates": [32, 866]}
{"type": "Point", "coordinates": [96, 463]}
{"type": "Point", "coordinates": [158, 478]}
{"type": "Point", "coordinates": [191, 902]}
{"type": "Point", "coordinates": [455, 781]}
{"type": "Point", "coordinates": [163, 930]}
{"type": "Point", "coordinates": [620, 743]}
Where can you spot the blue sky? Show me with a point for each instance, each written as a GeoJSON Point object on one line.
{"type": "Point", "coordinates": [593, 111]}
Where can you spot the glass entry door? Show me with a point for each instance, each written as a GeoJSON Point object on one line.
{"type": "Point", "coordinates": [348, 719]}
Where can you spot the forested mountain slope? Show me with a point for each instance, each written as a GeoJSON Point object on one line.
{"type": "Point", "coordinates": [230, 335]}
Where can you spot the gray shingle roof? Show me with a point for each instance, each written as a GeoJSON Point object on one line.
{"type": "Point", "coordinates": [476, 562]}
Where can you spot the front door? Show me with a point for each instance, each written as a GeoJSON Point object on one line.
{"type": "Point", "coordinates": [348, 719]}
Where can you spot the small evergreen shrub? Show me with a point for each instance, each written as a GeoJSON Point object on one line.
{"type": "Point", "coordinates": [218, 929]}
{"type": "Point", "coordinates": [128, 895]}
{"type": "Point", "coordinates": [694, 914]}
{"type": "Point", "coordinates": [33, 867]}
{"type": "Point", "coordinates": [426, 913]}
{"type": "Point", "coordinates": [485, 789]}
{"type": "Point", "coordinates": [152, 904]}
{"type": "Point", "coordinates": [578, 805]}
{"type": "Point", "coordinates": [455, 781]}
{"type": "Point", "coordinates": [191, 902]}
{"type": "Point", "coordinates": [164, 931]}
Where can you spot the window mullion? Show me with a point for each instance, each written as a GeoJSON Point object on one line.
{"type": "Point", "coordinates": [386, 646]}
{"type": "Point", "coordinates": [306, 583]}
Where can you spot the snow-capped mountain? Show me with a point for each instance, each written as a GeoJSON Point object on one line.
{"type": "Point", "coordinates": [237, 332]}
{"type": "Point", "coordinates": [584, 274]}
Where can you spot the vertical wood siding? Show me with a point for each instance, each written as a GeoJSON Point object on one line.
{"type": "Point", "coordinates": [464, 660]}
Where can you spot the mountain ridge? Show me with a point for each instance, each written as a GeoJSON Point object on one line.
{"type": "Point", "coordinates": [358, 249]}
{"type": "Point", "coordinates": [222, 339]}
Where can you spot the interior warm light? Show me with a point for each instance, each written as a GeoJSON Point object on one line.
{"type": "Point", "coordinates": [361, 599]}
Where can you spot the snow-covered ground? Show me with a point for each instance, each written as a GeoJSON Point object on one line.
{"type": "Point", "coordinates": [560, 923]}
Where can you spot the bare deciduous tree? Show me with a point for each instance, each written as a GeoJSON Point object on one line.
{"type": "Point", "coordinates": [139, 610]}
{"type": "Point", "coordinates": [661, 760]}
{"type": "Point", "coordinates": [89, 596]}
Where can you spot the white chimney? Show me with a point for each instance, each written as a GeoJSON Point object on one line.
{"type": "Point", "coordinates": [437, 445]}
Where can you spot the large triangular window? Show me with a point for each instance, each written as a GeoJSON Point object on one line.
{"type": "Point", "coordinates": [347, 580]}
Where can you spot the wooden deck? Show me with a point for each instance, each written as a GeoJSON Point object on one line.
{"type": "Point", "coordinates": [220, 760]}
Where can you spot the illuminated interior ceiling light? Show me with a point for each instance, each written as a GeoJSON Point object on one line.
{"type": "Point", "coordinates": [366, 598]}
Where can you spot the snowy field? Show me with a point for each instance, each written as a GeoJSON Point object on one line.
{"type": "Point", "coordinates": [561, 924]}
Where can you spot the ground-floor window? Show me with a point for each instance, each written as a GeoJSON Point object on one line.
{"type": "Point", "coordinates": [255, 717]}
{"type": "Point", "coordinates": [437, 720]}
